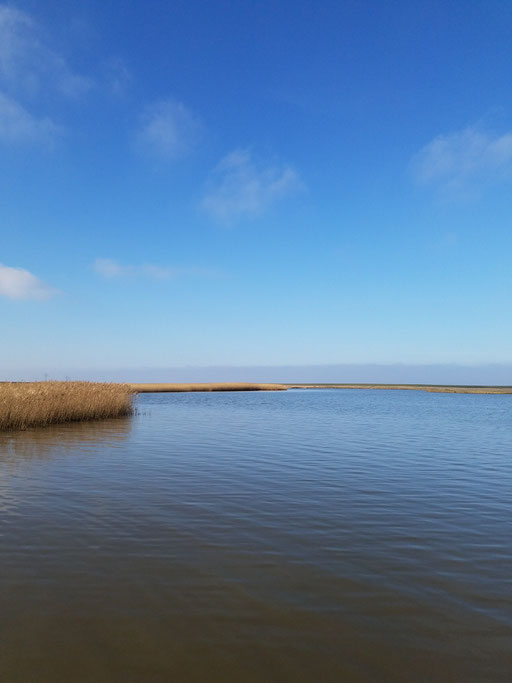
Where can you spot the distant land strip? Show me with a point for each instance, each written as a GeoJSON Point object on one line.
{"type": "Point", "coordinates": [157, 387]}
{"type": "Point", "coordinates": [437, 388]}
{"type": "Point", "coordinates": [144, 388]}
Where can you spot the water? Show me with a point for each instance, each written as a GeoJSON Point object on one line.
{"type": "Point", "coordinates": [328, 535]}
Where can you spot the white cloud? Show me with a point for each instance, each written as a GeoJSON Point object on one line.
{"type": "Point", "coordinates": [110, 268]}
{"type": "Point", "coordinates": [464, 159]}
{"type": "Point", "coordinates": [169, 130]}
{"type": "Point", "coordinates": [18, 125]}
{"type": "Point", "coordinates": [18, 283]}
{"type": "Point", "coordinates": [239, 187]}
{"type": "Point", "coordinates": [28, 66]}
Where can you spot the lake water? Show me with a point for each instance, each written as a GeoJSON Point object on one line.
{"type": "Point", "coordinates": [308, 535]}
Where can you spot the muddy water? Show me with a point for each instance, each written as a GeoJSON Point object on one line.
{"type": "Point", "coordinates": [329, 535]}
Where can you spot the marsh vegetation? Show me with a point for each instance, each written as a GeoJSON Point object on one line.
{"type": "Point", "coordinates": [37, 404]}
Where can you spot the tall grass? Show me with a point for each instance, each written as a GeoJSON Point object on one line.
{"type": "Point", "coordinates": [37, 404]}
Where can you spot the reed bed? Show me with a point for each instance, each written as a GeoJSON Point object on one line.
{"type": "Point", "coordinates": [204, 386]}
{"type": "Point", "coordinates": [38, 404]}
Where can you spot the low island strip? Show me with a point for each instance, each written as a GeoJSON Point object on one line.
{"type": "Point", "coordinates": [145, 388]}
{"type": "Point", "coordinates": [435, 388]}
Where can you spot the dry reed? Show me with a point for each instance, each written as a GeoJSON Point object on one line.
{"type": "Point", "coordinates": [37, 404]}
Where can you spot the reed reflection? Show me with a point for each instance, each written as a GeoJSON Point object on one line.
{"type": "Point", "coordinates": [49, 442]}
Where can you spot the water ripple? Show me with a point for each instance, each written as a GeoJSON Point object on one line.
{"type": "Point", "coordinates": [306, 535]}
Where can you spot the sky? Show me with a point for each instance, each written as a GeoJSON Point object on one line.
{"type": "Point", "coordinates": [191, 185]}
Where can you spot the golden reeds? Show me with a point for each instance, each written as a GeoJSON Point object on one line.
{"type": "Point", "coordinates": [37, 404]}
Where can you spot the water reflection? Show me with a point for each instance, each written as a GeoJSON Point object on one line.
{"type": "Point", "coordinates": [43, 443]}
{"type": "Point", "coordinates": [20, 451]}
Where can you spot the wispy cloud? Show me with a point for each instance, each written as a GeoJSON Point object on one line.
{"type": "Point", "coordinates": [464, 160]}
{"type": "Point", "coordinates": [17, 125]}
{"type": "Point", "coordinates": [28, 65]}
{"type": "Point", "coordinates": [169, 130]}
{"type": "Point", "coordinates": [118, 78]}
{"type": "Point", "coordinates": [110, 268]}
{"type": "Point", "coordinates": [30, 72]}
{"type": "Point", "coordinates": [18, 283]}
{"type": "Point", "coordinates": [241, 187]}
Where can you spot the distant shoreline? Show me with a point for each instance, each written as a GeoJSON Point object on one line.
{"type": "Point", "coordinates": [168, 387]}
{"type": "Point", "coordinates": [436, 388]}
{"type": "Point", "coordinates": [160, 387]}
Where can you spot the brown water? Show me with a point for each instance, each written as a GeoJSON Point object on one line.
{"type": "Point", "coordinates": [329, 535]}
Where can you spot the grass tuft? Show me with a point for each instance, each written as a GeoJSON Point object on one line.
{"type": "Point", "coordinates": [37, 404]}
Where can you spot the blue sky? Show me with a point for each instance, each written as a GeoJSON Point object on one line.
{"type": "Point", "coordinates": [190, 184]}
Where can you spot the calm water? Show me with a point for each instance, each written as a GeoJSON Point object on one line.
{"type": "Point", "coordinates": [329, 535]}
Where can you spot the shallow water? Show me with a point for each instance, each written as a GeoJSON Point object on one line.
{"type": "Point", "coordinates": [329, 535]}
